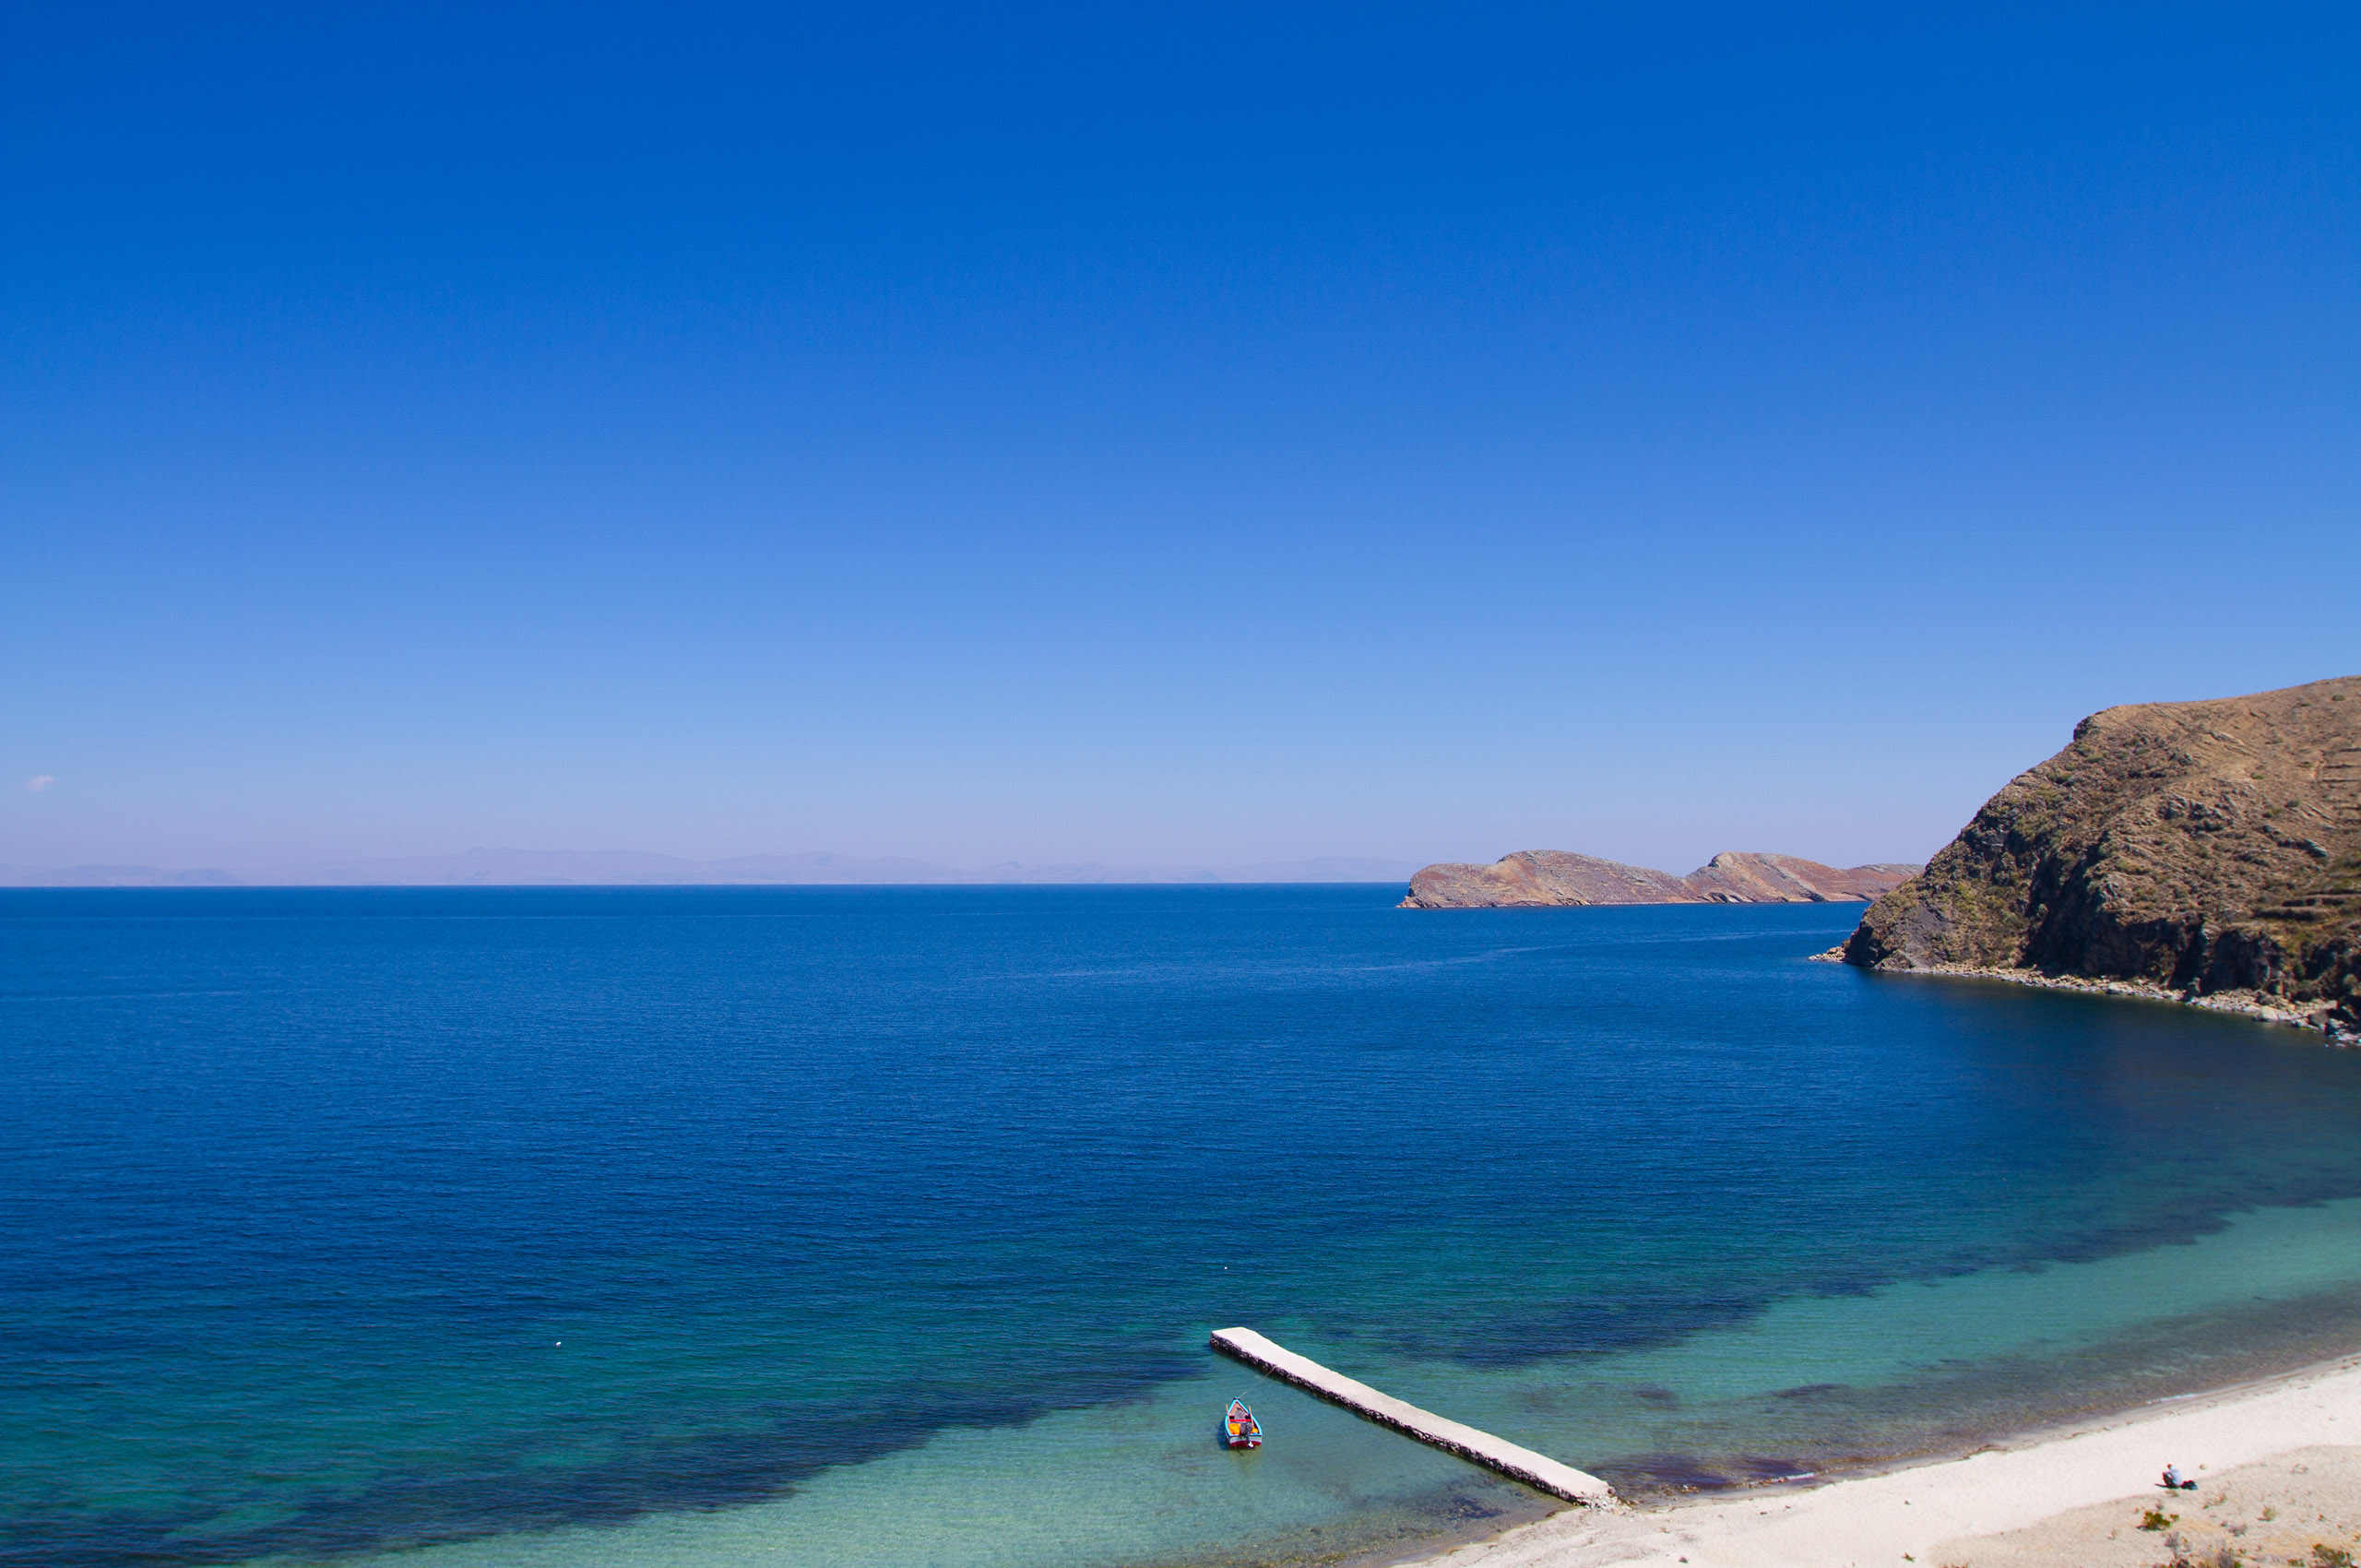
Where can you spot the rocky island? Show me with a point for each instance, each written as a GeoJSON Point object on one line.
{"type": "Point", "coordinates": [1549, 878]}
{"type": "Point", "coordinates": [2203, 852]}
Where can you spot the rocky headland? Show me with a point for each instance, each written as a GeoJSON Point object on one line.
{"type": "Point", "coordinates": [1552, 878]}
{"type": "Point", "coordinates": [2197, 851]}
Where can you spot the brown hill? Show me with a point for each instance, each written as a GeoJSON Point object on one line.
{"type": "Point", "coordinates": [1542, 878]}
{"type": "Point", "coordinates": [2202, 848]}
{"type": "Point", "coordinates": [1739, 877]}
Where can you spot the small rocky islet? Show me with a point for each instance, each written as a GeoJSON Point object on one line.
{"type": "Point", "coordinates": [1557, 878]}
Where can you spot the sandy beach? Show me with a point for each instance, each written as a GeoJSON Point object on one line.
{"type": "Point", "coordinates": [2278, 1465]}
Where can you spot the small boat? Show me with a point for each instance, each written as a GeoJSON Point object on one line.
{"type": "Point", "coordinates": [1240, 1428]}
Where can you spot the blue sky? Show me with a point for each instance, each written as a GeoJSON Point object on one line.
{"type": "Point", "coordinates": [1209, 435]}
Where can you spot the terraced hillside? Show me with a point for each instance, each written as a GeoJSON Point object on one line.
{"type": "Point", "coordinates": [2203, 846]}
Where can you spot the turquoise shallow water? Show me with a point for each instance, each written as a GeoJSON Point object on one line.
{"type": "Point", "coordinates": [886, 1226]}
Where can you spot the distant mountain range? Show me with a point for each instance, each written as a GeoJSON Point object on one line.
{"type": "Point", "coordinates": [630, 868]}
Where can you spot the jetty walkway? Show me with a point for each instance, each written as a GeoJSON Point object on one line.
{"type": "Point", "coordinates": [1536, 1470]}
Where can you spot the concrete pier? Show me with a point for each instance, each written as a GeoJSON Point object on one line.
{"type": "Point", "coordinates": [1536, 1470]}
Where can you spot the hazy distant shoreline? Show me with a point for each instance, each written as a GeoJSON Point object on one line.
{"type": "Point", "coordinates": [627, 868]}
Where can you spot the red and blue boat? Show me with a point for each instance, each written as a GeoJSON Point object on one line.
{"type": "Point", "coordinates": [1240, 1428]}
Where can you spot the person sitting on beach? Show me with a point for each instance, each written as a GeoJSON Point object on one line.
{"type": "Point", "coordinates": [2172, 1478]}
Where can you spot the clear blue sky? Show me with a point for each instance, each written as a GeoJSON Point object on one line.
{"type": "Point", "coordinates": [1148, 436]}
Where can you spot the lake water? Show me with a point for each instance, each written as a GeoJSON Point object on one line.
{"type": "Point", "coordinates": [642, 1227]}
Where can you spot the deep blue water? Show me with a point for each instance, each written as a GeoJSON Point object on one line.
{"type": "Point", "coordinates": [339, 1221]}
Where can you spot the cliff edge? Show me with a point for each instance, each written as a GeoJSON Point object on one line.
{"type": "Point", "coordinates": [2205, 848]}
{"type": "Point", "coordinates": [1555, 878]}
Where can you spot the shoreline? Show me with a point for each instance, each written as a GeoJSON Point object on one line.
{"type": "Point", "coordinates": [2253, 1004]}
{"type": "Point", "coordinates": [2029, 1488]}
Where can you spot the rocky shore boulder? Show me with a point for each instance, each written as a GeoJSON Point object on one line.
{"type": "Point", "coordinates": [2202, 847]}
{"type": "Point", "coordinates": [1549, 878]}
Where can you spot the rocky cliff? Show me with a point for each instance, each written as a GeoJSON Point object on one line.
{"type": "Point", "coordinates": [2198, 848]}
{"type": "Point", "coordinates": [1551, 877]}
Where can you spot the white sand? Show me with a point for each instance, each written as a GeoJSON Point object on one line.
{"type": "Point", "coordinates": [2071, 1496]}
